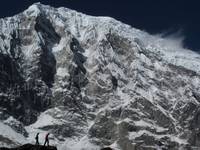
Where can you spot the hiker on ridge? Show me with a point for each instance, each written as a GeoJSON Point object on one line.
{"type": "Point", "coordinates": [37, 139]}
{"type": "Point", "coordinates": [46, 139]}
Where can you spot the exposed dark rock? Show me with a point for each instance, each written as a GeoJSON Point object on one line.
{"type": "Point", "coordinates": [114, 82]}
{"type": "Point", "coordinates": [49, 37]}
{"type": "Point", "coordinates": [30, 147]}
{"type": "Point", "coordinates": [105, 129]}
{"type": "Point", "coordinates": [106, 148]}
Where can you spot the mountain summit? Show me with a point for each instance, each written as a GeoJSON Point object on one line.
{"type": "Point", "coordinates": [93, 82]}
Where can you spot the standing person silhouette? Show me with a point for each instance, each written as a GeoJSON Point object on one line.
{"type": "Point", "coordinates": [37, 139]}
{"type": "Point", "coordinates": [46, 139]}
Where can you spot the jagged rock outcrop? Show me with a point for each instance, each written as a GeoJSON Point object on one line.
{"type": "Point", "coordinates": [30, 147]}
{"type": "Point", "coordinates": [94, 82]}
{"type": "Point", "coordinates": [106, 148]}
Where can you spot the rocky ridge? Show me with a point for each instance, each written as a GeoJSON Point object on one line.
{"type": "Point", "coordinates": [30, 147]}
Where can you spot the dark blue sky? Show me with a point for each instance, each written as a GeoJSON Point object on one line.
{"type": "Point", "coordinates": [153, 16]}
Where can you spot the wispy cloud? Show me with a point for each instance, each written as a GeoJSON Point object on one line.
{"type": "Point", "coordinates": [171, 39]}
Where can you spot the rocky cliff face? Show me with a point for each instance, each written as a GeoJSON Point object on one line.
{"type": "Point", "coordinates": [93, 82]}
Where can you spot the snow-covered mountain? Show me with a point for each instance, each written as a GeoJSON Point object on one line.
{"type": "Point", "coordinates": [93, 82]}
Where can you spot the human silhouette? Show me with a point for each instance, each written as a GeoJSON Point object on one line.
{"type": "Point", "coordinates": [37, 139]}
{"type": "Point", "coordinates": [46, 139]}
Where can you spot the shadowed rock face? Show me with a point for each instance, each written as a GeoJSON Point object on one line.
{"type": "Point", "coordinates": [30, 147]}
{"type": "Point", "coordinates": [49, 37]}
{"type": "Point", "coordinates": [28, 74]}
